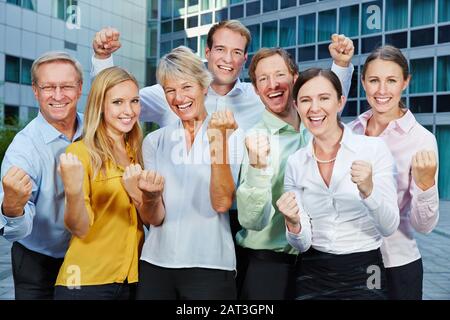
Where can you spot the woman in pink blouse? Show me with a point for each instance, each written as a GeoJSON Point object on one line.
{"type": "Point", "coordinates": [385, 75]}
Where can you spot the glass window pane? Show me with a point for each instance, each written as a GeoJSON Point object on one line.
{"type": "Point", "coordinates": [206, 4]}
{"type": "Point", "coordinates": [287, 3]}
{"type": "Point", "coordinates": [152, 9]}
{"type": "Point", "coordinates": [306, 53]}
{"type": "Point", "coordinates": [166, 27]}
{"type": "Point", "coordinates": [192, 22]}
{"type": "Point", "coordinates": [255, 44]}
{"type": "Point", "coordinates": [322, 51]}
{"type": "Point", "coordinates": [444, 34]}
{"type": "Point", "coordinates": [371, 17]}
{"type": "Point", "coordinates": [443, 140]}
{"type": "Point", "coordinates": [192, 6]}
{"type": "Point", "coordinates": [287, 32]}
{"type": "Point", "coordinates": [237, 12]}
{"type": "Point", "coordinates": [221, 4]}
{"type": "Point", "coordinates": [29, 4]}
{"type": "Point", "coordinates": [444, 10]}
{"type": "Point", "coordinates": [421, 104]}
{"type": "Point", "coordinates": [60, 9]}
{"type": "Point", "coordinates": [350, 109]}
{"type": "Point", "coordinates": [269, 34]}
{"type": "Point", "coordinates": [206, 18]}
{"type": "Point", "coordinates": [222, 15]}
{"type": "Point", "coordinates": [327, 23]}
{"type": "Point", "coordinates": [152, 34]}
{"type": "Point", "coordinates": [12, 69]}
{"type": "Point", "coordinates": [349, 19]}
{"type": "Point", "coordinates": [253, 8]}
{"type": "Point", "coordinates": [422, 81]}
{"type": "Point", "coordinates": [178, 42]}
{"type": "Point", "coordinates": [307, 29]}
{"type": "Point", "coordinates": [443, 73]}
{"type": "Point", "coordinates": [178, 25]}
{"type": "Point", "coordinates": [26, 71]}
{"type": "Point", "coordinates": [166, 10]}
{"type": "Point", "coordinates": [291, 52]}
{"type": "Point", "coordinates": [306, 1]}
{"type": "Point", "coordinates": [178, 8]}
{"type": "Point", "coordinates": [203, 45]}
{"type": "Point", "coordinates": [192, 43]}
{"type": "Point", "coordinates": [371, 43]}
{"type": "Point", "coordinates": [443, 103]}
{"type": "Point", "coordinates": [235, 1]}
{"type": "Point", "coordinates": [11, 115]}
{"type": "Point", "coordinates": [353, 93]}
{"type": "Point", "coordinates": [165, 47]}
{"type": "Point", "coordinates": [397, 15]}
{"type": "Point", "coordinates": [422, 12]}
{"type": "Point", "coordinates": [422, 37]}
{"type": "Point", "coordinates": [270, 5]}
{"type": "Point", "coordinates": [399, 40]}
{"type": "Point", "coordinates": [16, 2]}
{"type": "Point", "coordinates": [150, 72]}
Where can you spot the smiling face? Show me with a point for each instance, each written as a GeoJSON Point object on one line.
{"type": "Point", "coordinates": [384, 83]}
{"type": "Point", "coordinates": [121, 108]}
{"type": "Point", "coordinates": [60, 105]}
{"type": "Point", "coordinates": [318, 106]}
{"type": "Point", "coordinates": [186, 98]}
{"type": "Point", "coordinates": [274, 84]}
{"type": "Point", "coordinates": [226, 56]}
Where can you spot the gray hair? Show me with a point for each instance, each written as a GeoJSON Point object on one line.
{"type": "Point", "coordinates": [182, 63]}
{"type": "Point", "coordinates": [54, 56]}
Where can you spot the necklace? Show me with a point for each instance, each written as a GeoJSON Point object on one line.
{"type": "Point", "coordinates": [321, 161]}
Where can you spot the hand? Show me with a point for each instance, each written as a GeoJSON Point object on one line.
{"type": "Point", "coordinates": [151, 184]}
{"type": "Point", "coordinates": [17, 188]}
{"type": "Point", "coordinates": [361, 173]}
{"type": "Point", "coordinates": [72, 173]}
{"type": "Point", "coordinates": [341, 50]}
{"type": "Point", "coordinates": [258, 146]}
{"type": "Point", "coordinates": [130, 180]}
{"type": "Point", "coordinates": [106, 42]}
{"type": "Point", "coordinates": [423, 169]}
{"type": "Point", "coordinates": [287, 204]}
{"type": "Point", "coordinates": [222, 122]}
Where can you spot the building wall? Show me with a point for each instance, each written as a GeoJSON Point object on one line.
{"type": "Point", "coordinates": [27, 33]}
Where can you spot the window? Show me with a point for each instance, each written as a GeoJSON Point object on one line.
{"type": "Point", "coordinates": [399, 40]}
{"type": "Point", "coordinates": [269, 34]}
{"type": "Point", "coordinates": [192, 22]}
{"type": "Point", "coordinates": [443, 103]}
{"type": "Point", "coordinates": [422, 12]}
{"type": "Point", "coordinates": [18, 70]}
{"type": "Point", "coordinates": [255, 44]}
{"type": "Point", "coordinates": [166, 10]}
{"type": "Point", "coordinates": [203, 45]}
{"type": "Point", "coordinates": [421, 104]}
{"type": "Point", "coordinates": [306, 53]}
{"type": "Point", "coordinates": [270, 5]}
{"type": "Point", "coordinates": [397, 15]}
{"type": "Point", "coordinates": [287, 32]}
{"type": "Point", "coordinates": [443, 141]}
{"type": "Point", "coordinates": [327, 23]}
{"type": "Point", "coordinates": [306, 1]}
{"type": "Point", "coordinates": [178, 42]}
{"type": "Point", "coordinates": [235, 1]}
{"type": "Point", "coordinates": [150, 76]}
{"type": "Point", "coordinates": [291, 52]}
{"type": "Point", "coordinates": [444, 34]}
{"type": "Point", "coordinates": [70, 45]}
{"type": "Point", "coordinates": [193, 6]}
{"type": "Point", "coordinates": [237, 12]}
{"type": "Point", "coordinates": [353, 93]}
{"type": "Point", "coordinates": [422, 81]}
{"type": "Point", "coordinates": [32, 113]}
{"type": "Point", "coordinates": [221, 4]}
{"type": "Point", "coordinates": [61, 6]}
{"type": "Point", "coordinates": [11, 115]}
{"type": "Point", "coordinates": [206, 4]}
{"type": "Point", "coordinates": [253, 8]}
{"type": "Point", "coordinates": [348, 23]}
{"type": "Point", "coordinates": [165, 47]}
{"type": "Point", "coordinates": [178, 25]}
{"type": "Point", "coordinates": [152, 38]}
{"type": "Point", "coordinates": [350, 109]}
{"type": "Point", "coordinates": [287, 3]}
{"type": "Point", "coordinates": [222, 15]}
{"type": "Point", "coordinates": [371, 17]}
{"type": "Point", "coordinates": [206, 18]}
{"type": "Point", "coordinates": [443, 73]}
{"type": "Point", "coordinates": [322, 51]}
{"type": "Point", "coordinates": [178, 8]}
{"type": "Point", "coordinates": [444, 10]}
{"type": "Point", "coordinates": [166, 27]}
{"type": "Point", "coordinates": [27, 4]}
{"type": "Point", "coordinates": [368, 44]}
{"type": "Point", "coordinates": [192, 43]}
{"type": "Point", "coordinates": [422, 37]}
{"type": "Point", "coordinates": [307, 29]}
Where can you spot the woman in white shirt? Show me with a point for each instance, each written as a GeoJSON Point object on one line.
{"type": "Point", "coordinates": [191, 254]}
{"type": "Point", "coordinates": [385, 75]}
{"type": "Point", "coordinates": [340, 198]}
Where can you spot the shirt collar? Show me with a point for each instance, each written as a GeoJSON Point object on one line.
{"type": "Point", "coordinates": [50, 133]}
{"type": "Point", "coordinates": [275, 124]}
{"type": "Point", "coordinates": [404, 124]}
{"type": "Point", "coordinates": [237, 89]}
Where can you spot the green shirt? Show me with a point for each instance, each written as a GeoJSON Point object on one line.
{"type": "Point", "coordinates": [263, 226]}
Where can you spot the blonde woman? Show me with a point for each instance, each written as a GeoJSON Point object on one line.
{"type": "Point", "coordinates": [105, 207]}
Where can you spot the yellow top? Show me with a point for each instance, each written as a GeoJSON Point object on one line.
{"type": "Point", "coordinates": [110, 251]}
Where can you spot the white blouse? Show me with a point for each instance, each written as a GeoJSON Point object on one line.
{"type": "Point", "coordinates": [336, 219]}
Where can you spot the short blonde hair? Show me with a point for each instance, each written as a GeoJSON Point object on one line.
{"type": "Point", "coordinates": [182, 63]}
{"type": "Point", "coordinates": [94, 128]}
{"type": "Point", "coordinates": [233, 25]}
{"type": "Point", "coordinates": [54, 56]}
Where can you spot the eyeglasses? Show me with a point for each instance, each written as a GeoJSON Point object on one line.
{"type": "Point", "coordinates": [65, 88]}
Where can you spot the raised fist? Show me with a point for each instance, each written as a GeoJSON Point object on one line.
{"type": "Point", "coordinates": [361, 172]}
{"type": "Point", "coordinates": [72, 174]}
{"type": "Point", "coordinates": [423, 169]}
{"type": "Point", "coordinates": [17, 188]}
{"type": "Point", "coordinates": [151, 184]}
{"type": "Point", "coordinates": [258, 147]}
{"type": "Point", "coordinates": [287, 204]}
{"type": "Point", "coordinates": [106, 42]}
{"type": "Point", "coordinates": [341, 49]}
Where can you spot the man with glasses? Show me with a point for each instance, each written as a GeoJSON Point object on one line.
{"type": "Point", "coordinates": [32, 193]}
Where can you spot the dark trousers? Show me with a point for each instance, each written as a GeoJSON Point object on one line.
{"type": "Point", "coordinates": [34, 273]}
{"type": "Point", "coordinates": [270, 275]}
{"type": "Point", "coordinates": [158, 283]}
{"type": "Point", "coordinates": [405, 282]}
{"type": "Point", "coordinates": [112, 291]}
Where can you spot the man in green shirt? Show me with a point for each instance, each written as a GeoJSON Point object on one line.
{"type": "Point", "coordinates": [267, 260]}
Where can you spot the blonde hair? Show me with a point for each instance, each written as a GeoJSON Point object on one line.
{"type": "Point", "coordinates": [233, 25]}
{"type": "Point", "coordinates": [94, 130]}
{"type": "Point", "coordinates": [182, 63]}
{"type": "Point", "coordinates": [55, 56]}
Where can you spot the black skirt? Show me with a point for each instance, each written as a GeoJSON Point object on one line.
{"type": "Point", "coordinates": [326, 276]}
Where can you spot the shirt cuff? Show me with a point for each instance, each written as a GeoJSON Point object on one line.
{"type": "Point", "coordinates": [342, 71]}
{"type": "Point", "coordinates": [12, 222]}
{"type": "Point", "coordinates": [371, 202]}
{"type": "Point", "coordinates": [3, 221]}
{"type": "Point", "coordinates": [428, 195]}
{"type": "Point", "coordinates": [100, 64]}
{"type": "Point", "coordinates": [259, 177]}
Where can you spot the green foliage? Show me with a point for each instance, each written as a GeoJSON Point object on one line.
{"type": "Point", "coordinates": [6, 137]}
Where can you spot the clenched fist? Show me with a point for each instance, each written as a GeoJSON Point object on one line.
{"type": "Point", "coordinates": [130, 180]}
{"type": "Point", "coordinates": [341, 49]}
{"type": "Point", "coordinates": [106, 42]}
{"type": "Point", "coordinates": [72, 174]}
{"type": "Point", "coordinates": [220, 127]}
{"type": "Point", "coordinates": [423, 169]}
{"type": "Point", "coordinates": [17, 188]}
{"type": "Point", "coordinates": [361, 172]}
{"type": "Point", "coordinates": [151, 184]}
{"type": "Point", "coordinates": [287, 204]}
{"type": "Point", "coordinates": [258, 147]}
